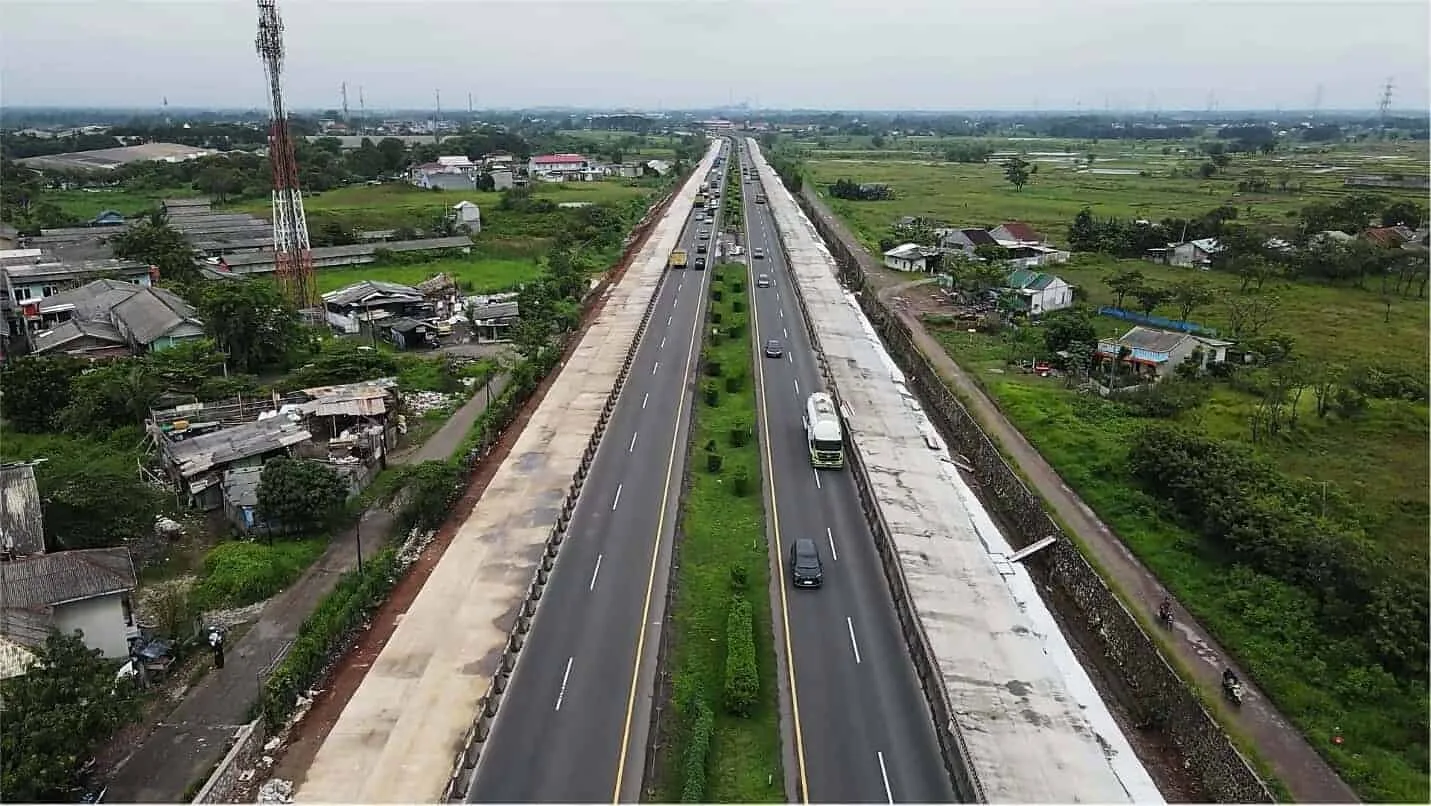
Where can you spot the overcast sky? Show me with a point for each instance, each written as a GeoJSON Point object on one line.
{"type": "Point", "coordinates": [829, 54]}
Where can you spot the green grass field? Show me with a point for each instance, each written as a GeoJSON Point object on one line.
{"type": "Point", "coordinates": [85, 205]}
{"type": "Point", "coordinates": [977, 194]}
{"type": "Point", "coordinates": [1379, 460]}
{"type": "Point", "coordinates": [479, 274]}
{"type": "Point", "coordinates": [721, 530]}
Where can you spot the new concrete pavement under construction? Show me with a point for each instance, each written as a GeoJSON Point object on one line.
{"type": "Point", "coordinates": [1033, 728]}
{"type": "Point", "coordinates": [397, 737]}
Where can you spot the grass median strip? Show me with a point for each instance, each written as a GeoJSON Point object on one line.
{"type": "Point", "coordinates": [722, 648]}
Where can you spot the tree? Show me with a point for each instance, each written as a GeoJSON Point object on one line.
{"type": "Point", "coordinates": [1017, 172]}
{"type": "Point", "coordinates": [251, 321]}
{"type": "Point", "coordinates": [1150, 297]}
{"type": "Point", "coordinates": [1123, 283]}
{"type": "Point", "coordinates": [92, 497]}
{"type": "Point", "coordinates": [1405, 213]}
{"type": "Point", "coordinates": [1067, 327]}
{"type": "Point", "coordinates": [1188, 296]}
{"type": "Point", "coordinates": [1083, 232]}
{"type": "Point", "coordinates": [56, 715]}
{"type": "Point", "coordinates": [115, 395]}
{"type": "Point", "coordinates": [300, 494]}
{"type": "Point", "coordinates": [159, 245]}
{"type": "Point", "coordinates": [1247, 314]}
{"type": "Point", "coordinates": [36, 389]}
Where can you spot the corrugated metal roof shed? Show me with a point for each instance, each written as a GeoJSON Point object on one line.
{"type": "Point", "coordinates": [68, 576]}
{"type": "Point", "coordinates": [22, 526]}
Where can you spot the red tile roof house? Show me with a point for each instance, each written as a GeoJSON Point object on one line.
{"type": "Point", "coordinates": [560, 167]}
{"type": "Point", "coordinates": [1017, 233]}
{"type": "Point", "coordinates": [1388, 237]}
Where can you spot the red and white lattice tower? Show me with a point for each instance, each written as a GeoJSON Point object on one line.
{"type": "Point", "coordinates": [292, 258]}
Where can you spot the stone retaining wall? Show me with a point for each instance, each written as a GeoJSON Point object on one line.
{"type": "Point", "coordinates": [1146, 683]}
{"type": "Point", "coordinates": [243, 755]}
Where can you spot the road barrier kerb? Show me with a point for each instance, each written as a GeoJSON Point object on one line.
{"type": "Point", "coordinates": [461, 781]}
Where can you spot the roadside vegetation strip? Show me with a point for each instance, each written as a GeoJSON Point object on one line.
{"type": "Point", "coordinates": [721, 582]}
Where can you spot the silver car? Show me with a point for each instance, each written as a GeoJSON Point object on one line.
{"type": "Point", "coordinates": [773, 349]}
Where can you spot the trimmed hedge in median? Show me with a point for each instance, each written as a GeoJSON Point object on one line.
{"type": "Point", "coordinates": [698, 753]}
{"type": "Point", "coordinates": [742, 676]}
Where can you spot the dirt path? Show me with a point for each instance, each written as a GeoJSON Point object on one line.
{"type": "Point", "coordinates": [1305, 774]}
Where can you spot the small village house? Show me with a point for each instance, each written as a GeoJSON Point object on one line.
{"type": "Point", "coordinates": [912, 257]}
{"type": "Point", "coordinates": [1037, 293]}
{"type": "Point", "coordinates": [467, 215]}
{"type": "Point", "coordinates": [113, 316]}
{"type": "Point", "coordinates": [1152, 354]}
{"type": "Point", "coordinates": [408, 334]}
{"type": "Point", "coordinates": [372, 301]}
{"type": "Point", "coordinates": [966, 240]}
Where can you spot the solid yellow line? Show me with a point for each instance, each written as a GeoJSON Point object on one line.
{"type": "Point", "coordinates": [775, 521]}
{"type": "Point", "coordinates": [655, 556]}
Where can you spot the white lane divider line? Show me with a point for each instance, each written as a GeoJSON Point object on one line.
{"type": "Point", "coordinates": [617, 499]}
{"type": "Point", "coordinates": [655, 367]}
{"type": "Point", "coordinates": [594, 572]}
{"type": "Point", "coordinates": [633, 442]}
{"type": "Point", "coordinates": [785, 330]}
{"type": "Point", "coordinates": [884, 773]}
{"type": "Point", "coordinates": [817, 478]}
{"type": "Point", "coordinates": [663, 343]}
{"type": "Point", "coordinates": [645, 398]}
{"type": "Point", "coordinates": [853, 643]}
{"type": "Point", "coordinates": [668, 321]}
{"type": "Point", "coordinates": [561, 694]}
{"type": "Point", "coordinates": [828, 534]}
{"type": "Point", "coordinates": [797, 384]}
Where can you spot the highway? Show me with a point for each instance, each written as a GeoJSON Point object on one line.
{"type": "Point", "coordinates": [572, 726]}
{"type": "Point", "coordinates": [862, 728]}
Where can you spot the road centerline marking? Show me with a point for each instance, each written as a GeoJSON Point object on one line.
{"type": "Point", "coordinates": [816, 471]}
{"type": "Point", "coordinates": [561, 693]}
{"type": "Point", "coordinates": [617, 499]}
{"type": "Point", "coordinates": [828, 533]}
{"type": "Point", "coordinates": [645, 398]}
{"type": "Point", "coordinates": [594, 572]}
{"type": "Point", "coordinates": [633, 442]}
{"type": "Point", "coordinates": [855, 645]}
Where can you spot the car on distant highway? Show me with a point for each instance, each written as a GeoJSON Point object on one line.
{"type": "Point", "coordinates": [806, 570]}
{"type": "Point", "coordinates": [700, 263]}
{"type": "Point", "coordinates": [704, 235]}
{"type": "Point", "coordinates": [773, 349]}
{"type": "Point", "coordinates": [763, 281]}
{"type": "Point", "coordinates": [700, 249]}
{"type": "Point", "coordinates": [758, 253]}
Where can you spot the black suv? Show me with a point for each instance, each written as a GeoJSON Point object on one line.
{"type": "Point", "coordinates": [806, 570]}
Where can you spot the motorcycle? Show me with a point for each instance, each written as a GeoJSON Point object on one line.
{"type": "Point", "coordinates": [1165, 614]}
{"type": "Point", "coordinates": [1233, 691]}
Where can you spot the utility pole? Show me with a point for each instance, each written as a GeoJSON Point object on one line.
{"type": "Point", "coordinates": [345, 101]}
{"type": "Point", "coordinates": [362, 110]}
{"type": "Point", "coordinates": [437, 117]}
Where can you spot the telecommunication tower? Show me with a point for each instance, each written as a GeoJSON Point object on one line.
{"type": "Point", "coordinates": [345, 102]}
{"type": "Point", "coordinates": [292, 256]}
{"type": "Point", "coordinates": [1385, 103]}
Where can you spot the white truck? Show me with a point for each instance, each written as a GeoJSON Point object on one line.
{"type": "Point", "coordinates": [823, 432]}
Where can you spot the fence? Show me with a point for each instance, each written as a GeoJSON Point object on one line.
{"type": "Point", "coordinates": [1155, 321]}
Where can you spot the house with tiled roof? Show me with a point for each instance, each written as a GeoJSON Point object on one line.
{"type": "Point", "coordinates": [912, 257]}
{"type": "Point", "coordinates": [107, 317]}
{"type": "Point", "coordinates": [1388, 237]}
{"type": "Point", "coordinates": [1017, 233]}
{"type": "Point", "coordinates": [966, 240]}
{"type": "Point", "coordinates": [1037, 293]}
{"type": "Point", "coordinates": [1153, 354]}
{"type": "Point", "coordinates": [562, 168]}
{"type": "Point", "coordinates": [85, 590]}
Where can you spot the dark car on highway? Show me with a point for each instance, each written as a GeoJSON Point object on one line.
{"type": "Point", "coordinates": [806, 570]}
{"type": "Point", "coordinates": [773, 349]}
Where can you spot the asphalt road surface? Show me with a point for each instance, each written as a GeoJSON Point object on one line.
{"type": "Point", "coordinates": [572, 727]}
{"type": "Point", "coordinates": [862, 728]}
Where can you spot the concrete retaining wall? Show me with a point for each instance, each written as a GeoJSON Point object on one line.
{"type": "Point", "coordinates": [1148, 686]}
{"type": "Point", "coordinates": [243, 755]}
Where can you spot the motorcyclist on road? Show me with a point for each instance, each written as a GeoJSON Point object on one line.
{"type": "Point", "coordinates": [1229, 678]}
{"type": "Point", "coordinates": [1165, 610]}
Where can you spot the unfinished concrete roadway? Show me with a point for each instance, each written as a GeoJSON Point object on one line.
{"type": "Point", "coordinates": [1034, 728]}
{"type": "Point", "coordinates": [397, 737]}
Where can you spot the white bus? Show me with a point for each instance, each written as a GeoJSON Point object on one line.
{"type": "Point", "coordinates": [823, 432]}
